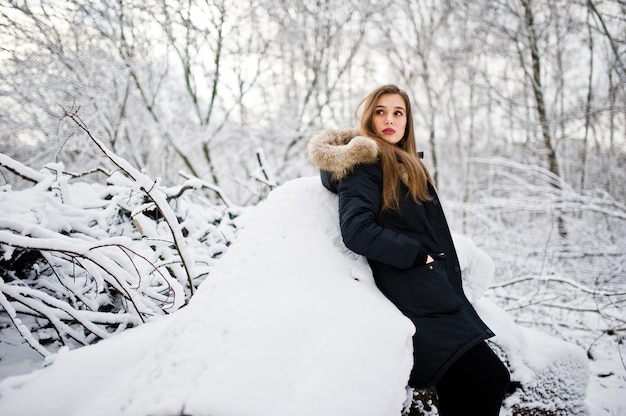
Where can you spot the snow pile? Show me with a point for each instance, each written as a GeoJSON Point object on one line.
{"type": "Point", "coordinates": [552, 374]}
{"type": "Point", "coordinates": [288, 323]}
{"type": "Point", "coordinates": [549, 375]}
{"type": "Point", "coordinates": [478, 268]}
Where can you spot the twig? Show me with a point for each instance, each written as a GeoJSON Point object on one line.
{"type": "Point", "coordinates": [24, 332]}
{"type": "Point", "coordinates": [148, 186]}
{"type": "Point", "coordinates": [558, 280]}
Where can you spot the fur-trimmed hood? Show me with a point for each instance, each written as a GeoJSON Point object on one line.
{"type": "Point", "coordinates": [339, 151]}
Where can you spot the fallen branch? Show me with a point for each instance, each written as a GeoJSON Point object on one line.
{"type": "Point", "coordinates": [150, 187]}
{"type": "Point", "coordinates": [570, 282]}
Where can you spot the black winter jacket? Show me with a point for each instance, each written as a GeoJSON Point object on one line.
{"type": "Point", "coordinates": [396, 244]}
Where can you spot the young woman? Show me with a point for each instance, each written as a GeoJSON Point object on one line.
{"type": "Point", "coordinates": [390, 213]}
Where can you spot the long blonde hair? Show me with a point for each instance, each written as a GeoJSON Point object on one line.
{"type": "Point", "coordinates": [399, 162]}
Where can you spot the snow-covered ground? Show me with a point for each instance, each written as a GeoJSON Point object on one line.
{"type": "Point", "coordinates": [290, 323]}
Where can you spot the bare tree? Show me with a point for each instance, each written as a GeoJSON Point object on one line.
{"type": "Point", "coordinates": [317, 47]}
{"type": "Point", "coordinates": [417, 57]}
{"type": "Point", "coordinates": [534, 74]}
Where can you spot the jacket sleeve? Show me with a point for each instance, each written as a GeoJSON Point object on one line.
{"type": "Point", "coordinates": [359, 204]}
{"type": "Point", "coordinates": [327, 181]}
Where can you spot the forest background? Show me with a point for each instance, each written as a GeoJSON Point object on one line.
{"type": "Point", "coordinates": [520, 107]}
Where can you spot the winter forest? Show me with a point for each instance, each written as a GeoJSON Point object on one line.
{"type": "Point", "coordinates": [139, 137]}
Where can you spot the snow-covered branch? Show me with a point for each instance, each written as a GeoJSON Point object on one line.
{"type": "Point", "coordinates": [82, 261]}
{"type": "Point", "coordinates": [563, 280]}
{"type": "Point", "coordinates": [149, 186]}
{"type": "Point", "coordinates": [20, 170]}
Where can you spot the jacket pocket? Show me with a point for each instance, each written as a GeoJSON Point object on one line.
{"type": "Point", "coordinates": [420, 290]}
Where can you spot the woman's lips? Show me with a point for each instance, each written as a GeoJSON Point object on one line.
{"type": "Point", "coordinates": [389, 131]}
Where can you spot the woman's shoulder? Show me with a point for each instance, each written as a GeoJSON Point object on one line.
{"type": "Point", "coordinates": [360, 175]}
{"type": "Point", "coordinates": [342, 152]}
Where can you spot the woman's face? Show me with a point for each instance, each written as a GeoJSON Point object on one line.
{"type": "Point", "coordinates": [389, 118]}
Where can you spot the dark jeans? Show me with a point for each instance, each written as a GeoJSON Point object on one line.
{"type": "Point", "coordinates": [475, 384]}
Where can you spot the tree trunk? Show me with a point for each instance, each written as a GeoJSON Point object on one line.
{"type": "Point", "coordinates": [553, 163]}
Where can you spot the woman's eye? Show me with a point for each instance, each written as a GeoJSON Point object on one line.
{"type": "Point", "coordinates": [379, 112]}
{"type": "Point", "coordinates": [399, 113]}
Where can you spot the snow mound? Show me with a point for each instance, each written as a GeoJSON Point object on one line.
{"type": "Point", "coordinates": [549, 376]}
{"type": "Point", "coordinates": [478, 268]}
{"type": "Point", "coordinates": [289, 322]}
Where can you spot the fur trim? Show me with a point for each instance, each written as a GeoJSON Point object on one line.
{"type": "Point", "coordinates": [339, 151]}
